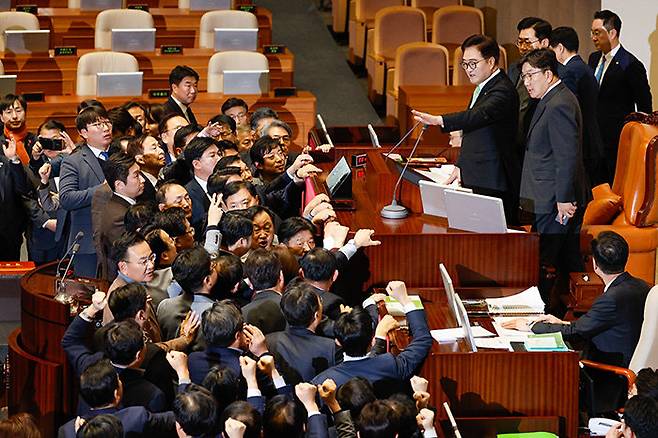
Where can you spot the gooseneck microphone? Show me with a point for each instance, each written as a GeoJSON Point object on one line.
{"type": "Point", "coordinates": [73, 249]}
{"type": "Point", "coordinates": [413, 128]}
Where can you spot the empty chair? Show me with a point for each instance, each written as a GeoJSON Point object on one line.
{"type": "Point", "coordinates": [459, 76]}
{"type": "Point", "coordinates": [232, 60]}
{"type": "Point", "coordinates": [16, 21]}
{"type": "Point", "coordinates": [224, 19]}
{"type": "Point", "coordinates": [364, 19]}
{"type": "Point", "coordinates": [339, 15]}
{"type": "Point", "coordinates": [430, 6]}
{"type": "Point", "coordinates": [394, 26]}
{"type": "Point", "coordinates": [101, 62]}
{"type": "Point", "coordinates": [119, 19]}
{"type": "Point", "coordinates": [416, 64]}
{"type": "Point", "coordinates": [451, 25]}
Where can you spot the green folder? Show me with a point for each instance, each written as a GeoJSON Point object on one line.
{"type": "Point", "coordinates": [545, 342]}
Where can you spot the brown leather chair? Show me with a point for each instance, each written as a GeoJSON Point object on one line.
{"type": "Point", "coordinates": [431, 6]}
{"type": "Point", "coordinates": [629, 208]}
{"type": "Point", "coordinates": [359, 24]}
{"type": "Point", "coordinates": [451, 25]}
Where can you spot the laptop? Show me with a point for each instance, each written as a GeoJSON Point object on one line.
{"type": "Point", "coordinates": [133, 40]}
{"type": "Point", "coordinates": [100, 5]}
{"type": "Point", "coordinates": [450, 292]}
{"type": "Point", "coordinates": [7, 84]}
{"type": "Point", "coordinates": [236, 39]}
{"type": "Point", "coordinates": [128, 84]}
{"type": "Point", "coordinates": [374, 139]}
{"type": "Point", "coordinates": [26, 42]}
{"type": "Point", "coordinates": [466, 324]}
{"type": "Point", "coordinates": [210, 5]}
{"type": "Point", "coordinates": [433, 197]}
{"type": "Point", "coordinates": [246, 82]}
{"type": "Point", "coordinates": [476, 213]}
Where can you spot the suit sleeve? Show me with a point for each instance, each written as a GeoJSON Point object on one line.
{"type": "Point", "coordinates": [317, 426]}
{"type": "Point", "coordinates": [164, 422]}
{"type": "Point", "coordinates": [640, 86]}
{"type": "Point", "coordinates": [73, 343]}
{"type": "Point", "coordinates": [417, 350]}
{"type": "Point", "coordinates": [344, 424]}
{"type": "Point", "coordinates": [38, 215]}
{"type": "Point", "coordinates": [600, 317]}
{"type": "Point", "coordinates": [497, 105]}
{"type": "Point", "coordinates": [71, 197]}
{"type": "Point", "coordinates": [564, 138]}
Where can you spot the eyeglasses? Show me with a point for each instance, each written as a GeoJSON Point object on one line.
{"type": "Point", "coordinates": [598, 32]}
{"type": "Point", "coordinates": [521, 42]}
{"type": "Point", "coordinates": [529, 75]}
{"type": "Point", "coordinates": [239, 115]}
{"type": "Point", "coordinates": [144, 261]}
{"type": "Point", "coordinates": [100, 124]}
{"type": "Point", "coordinates": [471, 65]}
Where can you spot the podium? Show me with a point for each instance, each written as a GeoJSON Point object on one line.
{"type": "Point", "coordinates": [40, 380]}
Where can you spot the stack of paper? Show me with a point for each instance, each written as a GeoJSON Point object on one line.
{"type": "Point", "coordinates": [527, 302]}
{"type": "Point", "coordinates": [511, 334]}
{"type": "Point", "coordinates": [452, 334]}
{"type": "Point", "coordinates": [439, 174]}
{"type": "Point", "coordinates": [394, 308]}
{"type": "Point", "coordinates": [545, 342]}
{"type": "Point", "coordinates": [497, 343]}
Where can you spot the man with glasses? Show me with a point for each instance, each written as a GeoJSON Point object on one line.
{"type": "Point", "coordinates": [553, 183]}
{"type": "Point", "coordinates": [168, 126]}
{"type": "Point", "coordinates": [236, 109]}
{"type": "Point", "coordinates": [81, 175]}
{"type": "Point", "coordinates": [623, 84]}
{"type": "Point", "coordinates": [489, 162]}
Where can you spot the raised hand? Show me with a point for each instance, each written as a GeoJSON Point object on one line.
{"type": "Point", "coordinates": [398, 290]}
{"type": "Point", "coordinates": [363, 238]}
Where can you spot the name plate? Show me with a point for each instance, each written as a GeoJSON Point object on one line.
{"type": "Point", "coordinates": [171, 49]}
{"type": "Point", "coordinates": [247, 8]}
{"type": "Point", "coordinates": [139, 7]}
{"type": "Point", "coordinates": [159, 93]}
{"type": "Point", "coordinates": [30, 9]}
{"type": "Point", "coordinates": [66, 51]}
{"type": "Point", "coordinates": [273, 49]}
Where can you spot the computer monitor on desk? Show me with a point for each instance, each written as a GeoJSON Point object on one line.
{"type": "Point", "coordinates": [26, 42]}
{"type": "Point", "coordinates": [466, 324]}
{"type": "Point", "coordinates": [433, 197]}
{"type": "Point", "coordinates": [133, 40]}
{"type": "Point", "coordinates": [236, 39]}
{"type": "Point", "coordinates": [210, 5]}
{"type": "Point", "coordinates": [450, 292]}
{"type": "Point", "coordinates": [476, 213]}
{"type": "Point", "coordinates": [127, 84]}
{"type": "Point", "coordinates": [100, 5]}
{"type": "Point", "coordinates": [246, 82]}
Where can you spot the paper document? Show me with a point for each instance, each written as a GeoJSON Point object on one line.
{"type": "Point", "coordinates": [528, 301]}
{"type": "Point", "coordinates": [511, 334]}
{"type": "Point", "coordinates": [452, 334]}
{"type": "Point", "coordinates": [497, 343]}
{"type": "Point", "coordinates": [439, 174]}
{"type": "Point", "coordinates": [394, 308]}
{"type": "Point", "coordinates": [545, 342]}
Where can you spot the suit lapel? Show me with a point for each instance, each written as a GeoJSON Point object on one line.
{"type": "Point", "coordinates": [487, 87]}
{"type": "Point", "coordinates": [541, 106]}
{"type": "Point", "coordinates": [92, 161]}
{"type": "Point", "coordinates": [614, 67]}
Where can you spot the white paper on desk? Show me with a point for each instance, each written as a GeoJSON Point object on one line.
{"type": "Point", "coordinates": [439, 174]}
{"type": "Point", "coordinates": [452, 334]}
{"type": "Point", "coordinates": [528, 301]}
{"type": "Point", "coordinates": [497, 343]}
{"type": "Point", "coordinates": [511, 334]}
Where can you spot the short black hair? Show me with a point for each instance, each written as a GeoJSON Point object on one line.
{"type": "Point", "coordinates": [123, 340]}
{"type": "Point", "coordinates": [354, 394]}
{"type": "Point", "coordinates": [234, 226]}
{"type": "Point", "coordinates": [180, 137]}
{"type": "Point", "coordinates": [157, 244]}
{"type": "Point", "coordinates": [224, 384]}
{"type": "Point", "coordinates": [138, 216]}
{"type": "Point", "coordinates": [221, 322]}
{"type": "Point", "coordinates": [378, 420]}
{"type": "Point", "coordinates": [127, 300]}
{"type": "Point", "coordinates": [234, 187]}
{"type": "Point", "coordinates": [319, 264]}
{"type": "Point", "coordinates": [263, 269]}
{"type": "Point", "coordinates": [543, 59]}
{"type": "Point", "coordinates": [610, 20]}
{"type": "Point", "coordinates": [487, 46]}
{"type": "Point", "coordinates": [354, 331]}
{"type": "Point", "coordinates": [610, 252]}
{"type": "Point", "coordinates": [116, 146]}
{"type": "Point", "coordinates": [646, 383]}
{"type": "Point", "coordinates": [89, 115]}
{"type": "Point", "coordinates": [180, 72]}
{"type": "Point", "coordinates": [126, 241]}
{"type": "Point", "coordinates": [51, 124]}
{"type": "Point", "coordinates": [293, 225]}
{"type": "Point", "coordinates": [196, 147]}
{"type": "Point", "coordinates": [162, 124]}
{"type": "Point", "coordinates": [172, 220]}
{"type": "Point", "coordinates": [98, 383]}
{"type": "Point", "coordinates": [245, 413]}
{"type": "Point", "coordinates": [263, 146]}
{"type": "Point", "coordinates": [232, 102]}
{"type": "Point", "coordinates": [284, 417]}
{"type": "Point", "coordinates": [8, 101]}
{"type": "Point", "coordinates": [405, 409]}
{"type": "Point", "coordinates": [229, 273]}
{"type": "Point", "coordinates": [223, 119]}
{"type": "Point", "coordinates": [227, 161]}
{"type": "Point", "coordinates": [567, 36]}
{"type": "Point", "coordinates": [641, 415]}
{"type": "Point", "coordinates": [299, 304]}
{"type": "Point", "coordinates": [195, 411]}
{"type": "Point", "coordinates": [117, 168]}
{"type": "Point", "coordinates": [261, 113]}
{"type": "Point", "coordinates": [219, 178]}
{"type": "Point", "coordinates": [542, 27]}
{"type": "Point", "coordinates": [191, 267]}
{"type": "Point", "coordinates": [225, 145]}
{"type": "Point", "coordinates": [101, 426]}
{"type": "Point", "coordinates": [123, 122]}
{"type": "Point", "coordinates": [89, 103]}
{"type": "Point", "coordinates": [134, 104]}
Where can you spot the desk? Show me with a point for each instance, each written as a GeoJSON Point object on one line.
{"type": "Point", "coordinates": [74, 27]}
{"type": "Point", "coordinates": [493, 383]}
{"type": "Point", "coordinates": [57, 75]}
{"type": "Point", "coordinates": [297, 111]}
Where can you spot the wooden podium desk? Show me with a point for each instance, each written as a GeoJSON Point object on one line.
{"type": "Point", "coordinates": [412, 248]}
{"type": "Point", "coordinates": [298, 111]}
{"type": "Point", "coordinates": [75, 27]}
{"type": "Point", "coordinates": [533, 391]}
{"type": "Point", "coordinates": [57, 75]}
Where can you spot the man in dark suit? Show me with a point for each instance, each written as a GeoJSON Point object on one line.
{"type": "Point", "coordinates": [553, 183]}
{"type": "Point", "coordinates": [263, 269]}
{"type": "Point", "coordinates": [13, 186]}
{"type": "Point", "coordinates": [201, 155]}
{"type": "Point", "coordinates": [80, 176]}
{"type": "Point", "coordinates": [183, 81]}
{"type": "Point", "coordinates": [612, 325]}
{"type": "Point", "coordinates": [319, 269]}
{"type": "Point", "coordinates": [489, 161]}
{"type": "Point", "coordinates": [623, 84]}
{"type": "Point", "coordinates": [355, 332]}
{"type": "Point", "coordinates": [149, 155]}
{"type": "Point", "coordinates": [300, 354]}
{"type": "Point", "coordinates": [579, 78]}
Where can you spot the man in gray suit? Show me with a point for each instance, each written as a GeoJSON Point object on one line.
{"type": "Point", "coordinates": [553, 185]}
{"type": "Point", "coordinates": [80, 175]}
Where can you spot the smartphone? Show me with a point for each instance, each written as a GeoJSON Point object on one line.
{"type": "Point", "coordinates": [51, 144]}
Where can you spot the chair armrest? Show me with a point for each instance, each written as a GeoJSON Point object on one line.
{"type": "Point", "coordinates": [620, 371]}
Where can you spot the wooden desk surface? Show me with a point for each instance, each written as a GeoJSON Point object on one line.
{"type": "Point", "coordinates": [298, 111]}
{"type": "Point", "coordinates": [56, 75]}
{"type": "Point", "coordinates": [75, 27]}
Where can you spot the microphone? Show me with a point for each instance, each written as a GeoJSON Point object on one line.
{"type": "Point", "coordinates": [324, 129]}
{"type": "Point", "coordinates": [76, 239]}
{"type": "Point", "coordinates": [404, 138]}
{"type": "Point", "coordinates": [395, 210]}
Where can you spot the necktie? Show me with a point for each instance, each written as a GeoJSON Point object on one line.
{"type": "Point", "coordinates": [104, 156]}
{"type": "Point", "coordinates": [476, 93]}
{"type": "Point", "coordinates": [599, 70]}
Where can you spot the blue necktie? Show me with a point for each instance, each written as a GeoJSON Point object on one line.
{"type": "Point", "coordinates": [599, 70]}
{"type": "Point", "coordinates": [104, 156]}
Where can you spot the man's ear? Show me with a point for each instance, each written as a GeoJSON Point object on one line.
{"type": "Point", "coordinates": [139, 158]}
{"type": "Point", "coordinates": [544, 43]}
{"type": "Point", "coordinates": [118, 185]}
{"type": "Point", "coordinates": [161, 207]}
{"type": "Point", "coordinates": [178, 151]}
{"type": "Point", "coordinates": [82, 132]}
{"type": "Point", "coordinates": [121, 265]}
{"type": "Point", "coordinates": [335, 276]}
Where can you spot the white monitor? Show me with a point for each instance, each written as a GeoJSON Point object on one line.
{"type": "Point", "coordinates": [477, 213]}
{"type": "Point", "coordinates": [433, 197]}
{"type": "Point", "coordinates": [466, 324]}
{"type": "Point", "coordinates": [127, 84]}
{"type": "Point", "coordinates": [7, 84]}
{"type": "Point", "coordinates": [100, 5]}
{"type": "Point", "coordinates": [26, 42]}
{"type": "Point", "coordinates": [246, 81]}
{"type": "Point", "coordinates": [450, 292]}
{"type": "Point", "coordinates": [133, 40]}
{"type": "Point", "coordinates": [210, 5]}
{"type": "Point", "coordinates": [236, 39]}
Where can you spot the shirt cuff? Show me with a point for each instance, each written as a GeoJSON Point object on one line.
{"type": "Point", "coordinates": [310, 414]}
{"type": "Point", "coordinates": [279, 382]}
{"type": "Point", "coordinates": [409, 307]}
{"type": "Point", "coordinates": [368, 302]}
{"type": "Point", "coordinates": [84, 316]}
{"type": "Point", "coordinates": [253, 392]}
{"type": "Point", "coordinates": [430, 433]}
{"type": "Point", "coordinates": [383, 338]}
{"type": "Point", "coordinates": [328, 243]}
{"type": "Point", "coordinates": [184, 381]}
{"type": "Point", "coordinates": [297, 180]}
{"type": "Point", "coordinates": [349, 249]}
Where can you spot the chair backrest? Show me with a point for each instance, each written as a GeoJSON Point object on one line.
{"type": "Point", "coordinates": [459, 76]}
{"type": "Point", "coordinates": [232, 60]}
{"type": "Point", "coordinates": [421, 64]}
{"type": "Point", "coordinates": [453, 24]}
{"type": "Point", "coordinates": [646, 351]}
{"type": "Point", "coordinates": [395, 26]}
{"type": "Point", "coordinates": [101, 62]}
{"type": "Point", "coordinates": [226, 19]}
{"type": "Point", "coordinates": [119, 19]}
{"type": "Point", "coordinates": [635, 175]}
{"type": "Point", "coordinates": [12, 20]}
{"type": "Point", "coordinates": [367, 9]}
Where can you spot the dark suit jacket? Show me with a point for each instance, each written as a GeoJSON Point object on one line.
{"type": "Point", "coordinates": [149, 191]}
{"type": "Point", "coordinates": [330, 303]}
{"type": "Point", "coordinates": [109, 229]}
{"type": "Point", "coordinates": [579, 78]}
{"type": "Point", "coordinates": [386, 366]}
{"type": "Point", "coordinates": [623, 86]}
{"type": "Point", "coordinates": [13, 186]}
{"type": "Point", "coordinates": [264, 312]}
{"type": "Point", "coordinates": [200, 205]}
{"type": "Point", "coordinates": [200, 362]}
{"type": "Point", "coordinates": [300, 354]}
{"type": "Point", "coordinates": [80, 176]}
{"type": "Point", "coordinates": [488, 157]}
{"type": "Point", "coordinates": [527, 106]}
{"type": "Point", "coordinates": [612, 324]}
{"type": "Point", "coordinates": [136, 421]}
{"type": "Point", "coordinates": [552, 167]}
{"type": "Point", "coordinates": [172, 107]}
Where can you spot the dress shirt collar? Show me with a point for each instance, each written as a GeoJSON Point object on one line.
{"type": "Point", "coordinates": [483, 83]}
{"type": "Point", "coordinates": [607, 286]}
{"type": "Point", "coordinates": [566, 61]}
{"type": "Point", "coordinates": [95, 151]}
{"type": "Point", "coordinates": [125, 278]}
{"type": "Point", "coordinates": [181, 105]}
{"type": "Point", "coordinates": [612, 53]}
{"type": "Point", "coordinates": [559, 81]}
{"type": "Point", "coordinates": [348, 358]}
{"type": "Point", "coordinates": [153, 180]}
{"type": "Point", "coordinates": [202, 183]}
{"type": "Point", "coordinates": [130, 201]}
